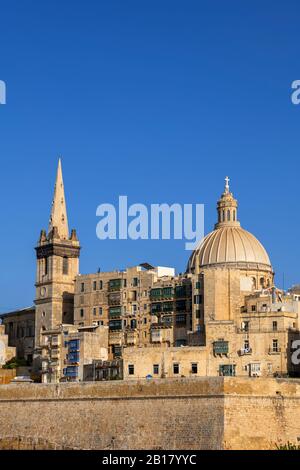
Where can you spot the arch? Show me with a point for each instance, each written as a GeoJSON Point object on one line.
{"type": "Point", "coordinates": [228, 215]}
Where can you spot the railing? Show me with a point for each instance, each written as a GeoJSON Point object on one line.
{"type": "Point", "coordinates": [275, 350]}
{"type": "Point", "coordinates": [245, 351]}
{"type": "Point", "coordinates": [264, 330]}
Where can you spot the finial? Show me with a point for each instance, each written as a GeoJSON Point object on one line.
{"type": "Point", "coordinates": [227, 179]}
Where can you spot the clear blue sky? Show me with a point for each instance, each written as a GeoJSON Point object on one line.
{"type": "Point", "coordinates": [158, 100]}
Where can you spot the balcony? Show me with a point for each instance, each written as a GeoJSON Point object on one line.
{"type": "Point", "coordinates": [116, 337]}
{"type": "Point", "coordinates": [220, 347]}
{"type": "Point", "coordinates": [114, 285]}
{"type": "Point", "coordinates": [132, 337]}
{"type": "Point", "coordinates": [274, 350]}
{"type": "Point", "coordinates": [114, 299]}
{"type": "Point", "coordinates": [245, 351]}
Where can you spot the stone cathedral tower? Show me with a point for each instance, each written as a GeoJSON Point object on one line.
{"type": "Point", "coordinates": [57, 265]}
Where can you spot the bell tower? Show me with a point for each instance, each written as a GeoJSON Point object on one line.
{"type": "Point", "coordinates": [57, 265]}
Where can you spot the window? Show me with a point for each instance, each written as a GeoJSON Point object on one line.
{"type": "Point", "coordinates": [275, 345]}
{"type": "Point", "coordinates": [94, 311]}
{"type": "Point", "coordinates": [135, 281]}
{"type": "Point", "coordinates": [145, 321]}
{"type": "Point", "coordinates": [95, 285]}
{"type": "Point", "coordinates": [130, 369]}
{"type": "Point", "coordinates": [155, 369]}
{"type": "Point", "coordinates": [114, 312]}
{"type": "Point", "coordinates": [181, 319]}
{"type": "Point", "coordinates": [274, 325]}
{"type": "Point", "coordinates": [253, 308]}
{"type": "Point", "coordinates": [197, 299]}
{"type": "Point", "coordinates": [101, 285]}
{"type": "Point", "coordinates": [221, 347]}
{"type": "Point", "coordinates": [133, 324]}
{"type": "Point", "coordinates": [82, 287]}
{"type": "Point", "coordinates": [100, 311]}
{"type": "Point", "coordinates": [115, 325]}
{"type": "Point", "coordinates": [234, 216]}
{"type": "Point", "coordinates": [65, 265]}
{"type": "Point", "coordinates": [176, 368]}
{"type": "Point", "coordinates": [194, 368]}
{"type": "Point", "coordinates": [228, 215]}
{"type": "Point", "coordinates": [227, 370]}
{"type": "Point", "coordinates": [198, 314]}
{"type": "Point", "coordinates": [246, 344]}
{"type": "Point", "coordinates": [46, 266]}
{"type": "Point", "coordinates": [81, 312]}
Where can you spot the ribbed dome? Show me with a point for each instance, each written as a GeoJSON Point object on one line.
{"type": "Point", "coordinates": [229, 245]}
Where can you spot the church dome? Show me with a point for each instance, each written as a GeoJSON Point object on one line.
{"type": "Point", "coordinates": [229, 244]}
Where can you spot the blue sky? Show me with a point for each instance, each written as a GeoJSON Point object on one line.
{"type": "Point", "coordinates": [157, 100]}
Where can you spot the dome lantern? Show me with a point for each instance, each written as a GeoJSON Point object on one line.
{"type": "Point", "coordinates": [227, 208]}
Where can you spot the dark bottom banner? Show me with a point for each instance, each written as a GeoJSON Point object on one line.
{"type": "Point", "coordinates": [135, 459]}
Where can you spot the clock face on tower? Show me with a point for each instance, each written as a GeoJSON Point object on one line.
{"type": "Point", "coordinates": [43, 291]}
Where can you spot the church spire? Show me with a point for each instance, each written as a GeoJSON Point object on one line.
{"type": "Point", "coordinates": [58, 219]}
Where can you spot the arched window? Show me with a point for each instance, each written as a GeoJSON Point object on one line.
{"type": "Point", "coordinates": [234, 216]}
{"type": "Point", "coordinates": [228, 215]}
{"type": "Point", "coordinates": [262, 282]}
{"type": "Point", "coordinates": [65, 265]}
{"type": "Point", "coordinates": [223, 212]}
{"type": "Point", "coordinates": [254, 283]}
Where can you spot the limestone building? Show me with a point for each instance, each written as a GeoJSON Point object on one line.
{"type": "Point", "coordinates": [19, 327]}
{"type": "Point", "coordinates": [6, 352]}
{"type": "Point", "coordinates": [223, 316]}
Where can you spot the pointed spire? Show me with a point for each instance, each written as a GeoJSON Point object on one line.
{"type": "Point", "coordinates": [58, 217]}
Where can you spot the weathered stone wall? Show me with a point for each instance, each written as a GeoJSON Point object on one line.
{"type": "Point", "coordinates": [260, 413]}
{"type": "Point", "coordinates": [200, 413]}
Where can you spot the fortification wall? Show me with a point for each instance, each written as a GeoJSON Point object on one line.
{"type": "Point", "coordinates": [200, 413]}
